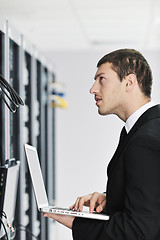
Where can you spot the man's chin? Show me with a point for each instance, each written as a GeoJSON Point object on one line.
{"type": "Point", "coordinates": [102, 113]}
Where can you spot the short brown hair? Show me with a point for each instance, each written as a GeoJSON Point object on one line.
{"type": "Point", "coordinates": [128, 61]}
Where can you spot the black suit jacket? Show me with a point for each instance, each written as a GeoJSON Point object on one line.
{"type": "Point", "coordinates": [133, 188]}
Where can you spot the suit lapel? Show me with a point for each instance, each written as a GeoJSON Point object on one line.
{"type": "Point", "coordinates": [151, 113]}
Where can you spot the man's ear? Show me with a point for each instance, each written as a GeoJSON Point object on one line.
{"type": "Point", "coordinates": [130, 82]}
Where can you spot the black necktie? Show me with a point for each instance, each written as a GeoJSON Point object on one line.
{"type": "Point", "coordinates": [122, 135]}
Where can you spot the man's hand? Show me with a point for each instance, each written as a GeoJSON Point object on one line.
{"type": "Point", "coordinates": [93, 201]}
{"type": "Point", "coordinates": [63, 219]}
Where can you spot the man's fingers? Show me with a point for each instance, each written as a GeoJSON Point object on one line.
{"type": "Point", "coordinates": [93, 201]}
{"type": "Point", "coordinates": [53, 216]}
{"type": "Point", "coordinates": [71, 207]}
{"type": "Point", "coordinates": [101, 206]}
{"type": "Point", "coordinates": [80, 202]}
{"type": "Point", "coordinates": [101, 203]}
{"type": "Point", "coordinates": [76, 205]}
{"type": "Point", "coordinates": [97, 201]}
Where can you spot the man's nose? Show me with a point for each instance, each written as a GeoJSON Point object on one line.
{"type": "Point", "coordinates": [94, 88]}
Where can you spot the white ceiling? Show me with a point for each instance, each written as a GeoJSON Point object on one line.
{"type": "Point", "coordinates": [68, 25]}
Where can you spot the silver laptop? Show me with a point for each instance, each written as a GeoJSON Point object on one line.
{"type": "Point", "coordinates": [40, 192]}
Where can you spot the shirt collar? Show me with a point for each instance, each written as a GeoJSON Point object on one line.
{"type": "Point", "coordinates": [134, 117]}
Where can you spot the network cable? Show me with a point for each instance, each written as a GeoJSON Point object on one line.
{"type": "Point", "coordinates": [6, 90]}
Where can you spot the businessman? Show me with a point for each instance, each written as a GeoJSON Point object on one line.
{"type": "Point", "coordinates": [122, 86]}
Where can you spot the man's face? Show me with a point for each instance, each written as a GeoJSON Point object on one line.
{"type": "Point", "coordinates": [109, 91]}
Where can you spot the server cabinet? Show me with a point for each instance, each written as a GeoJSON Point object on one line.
{"type": "Point", "coordinates": [27, 118]}
{"type": "Point", "coordinates": [28, 130]}
{"type": "Point", "coordinates": [13, 119]}
{"type": "Point", "coordinates": [49, 145]}
{"type": "Point", "coordinates": [14, 79]}
{"type": "Point", "coordinates": [31, 127]}
{"type": "Point", "coordinates": [41, 136]}
{"type": "Point", "coordinates": [10, 48]}
{"type": "Point", "coordinates": [2, 71]}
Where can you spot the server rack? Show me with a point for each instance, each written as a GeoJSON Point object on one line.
{"type": "Point", "coordinates": [28, 138]}
{"type": "Point", "coordinates": [41, 147]}
{"type": "Point", "coordinates": [13, 120]}
{"type": "Point", "coordinates": [14, 79]}
{"type": "Point", "coordinates": [28, 129]}
{"type": "Point", "coordinates": [10, 45]}
{"type": "Point", "coordinates": [2, 72]}
{"type": "Point", "coordinates": [40, 135]}
{"type": "Point", "coordinates": [30, 76]}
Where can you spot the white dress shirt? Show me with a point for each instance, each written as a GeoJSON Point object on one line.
{"type": "Point", "coordinates": [134, 117]}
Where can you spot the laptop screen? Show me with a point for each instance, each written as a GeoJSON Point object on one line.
{"type": "Point", "coordinates": [36, 176]}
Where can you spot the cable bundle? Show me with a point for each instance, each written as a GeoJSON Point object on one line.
{"type": "Point", "coordinates": [14, 98]}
